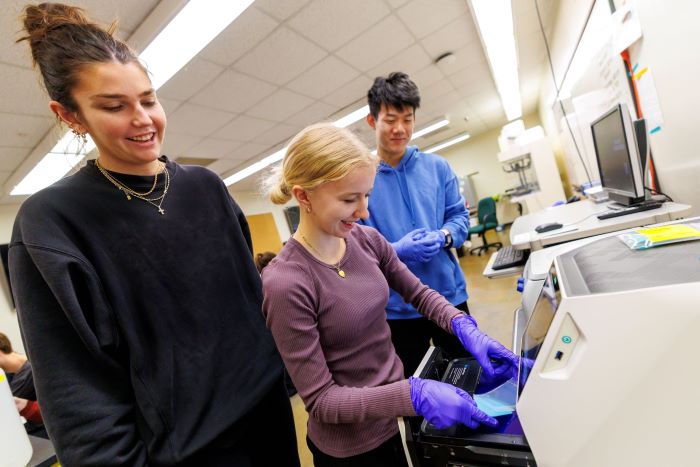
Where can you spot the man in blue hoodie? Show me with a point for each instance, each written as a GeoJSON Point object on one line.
{"type": "Point", "coordinates": [416, 205]}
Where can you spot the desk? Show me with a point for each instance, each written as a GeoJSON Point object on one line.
{"type": "Point", "coordinates": [580, 221]}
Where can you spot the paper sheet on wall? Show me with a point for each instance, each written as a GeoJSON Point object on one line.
{"type": "Point", "coordinates": [649, 100]}
{"type": "Point", "coordinates": [626, 27]}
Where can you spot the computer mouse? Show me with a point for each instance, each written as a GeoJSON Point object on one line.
{"type": "Point", "coordinates": [547, 227]}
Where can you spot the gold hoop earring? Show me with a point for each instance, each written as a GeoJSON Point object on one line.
{"type": "Point", "coordinates": [308, 209]}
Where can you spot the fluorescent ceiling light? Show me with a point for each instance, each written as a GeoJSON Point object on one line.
{"type": "Point", "coordinates": [494, 18]}
{"type": "Point", "coordinates": [430, 129]}
{"type": "Point", "coordinates": [256, 167]}
{"type": "Point", "coordinates": [342, 122]}
{"type": "Point", "coordinates": [65, 155]}
{"type": "Point", "coordinates": [352, 117]}
{"type": "Point", "coordinates": [447, 143]}
{"type": "Point", "coordinates": [189, 32]}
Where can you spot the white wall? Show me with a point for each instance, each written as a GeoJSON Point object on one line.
{"type": "Point", "coordinates": [8, 316]}
{"type": "Point", "coordinates": [668, 49]}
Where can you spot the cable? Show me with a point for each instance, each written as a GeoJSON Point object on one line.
{"type": "Point", "coordinates": [656, 192]}
{"type": "Point", "coordinates": [554, 80]}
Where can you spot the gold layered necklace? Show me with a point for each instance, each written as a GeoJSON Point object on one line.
{"type": "Point", "coordinates": [157, 201]}
{"type": "Point", "coordinates": [340, 272]}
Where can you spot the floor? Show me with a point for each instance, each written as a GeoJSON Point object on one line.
{"type": "Point", "coordinates": [491, 302]}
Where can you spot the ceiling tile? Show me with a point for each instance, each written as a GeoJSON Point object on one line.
{"type": "Point", "coordinates": [410, 60]}
{"type": "Point", "coordinates": [456, 34]}
{"type": "Point", "coordinates": [280, 57]}
{"type": "Point", "coordinates": [240, 37]}
{"type": "Point", "coordinates": [190, 79]}
{"type": "Point", "coordinates": [197, 120]}
{"type": "Point", "coordinates": [178, 144]}
{"type": "Point", "coordinates": [466, 56]}
{"type": "Point", "coordinates": [316, 112]}
{"type": "Point", "coordinates": [424, 17]}
{"type": "Point", "coordinates": [247, 151]}
{"type": "Point", "coordinates": [244, 128]}
{"type": "Point", "coordinates": [279, 134]}
{"type": "Point", "coordinates": [427, 76]}
{"type": "Point", "coordinates": [24, 95]}
{"type": "Point", "coordinates": [24, 131]}
{"type": "Point", "coordinates": [192, 160]}
{"type": "Point", "coordinates": [396, 3]}
{"type": "Point", "coordinates": [11, 27]}
{"type": "Point", "coordinates": [354, 91]}
{"type": "Point", "coordinates": [373, 47]}
{"type": "Point", "coordinates": [280, 10]}
{"type": "Point", "coordinates": [435, 90]}
{"type": "Point", "coordinates": [4, 176]}
{"type": "Point", "coordinates": [214, 148]}
{"type": "Point", "coordinates": [169, 105]}
{"type": "Point", "coordinates": [233, 92]}
{"type": "Point", "coordinates": [332, 23]}
{"type": "Point", "coordinates": [10, 158]}
{"type": "Point", "coordinates": [223, 166]}
{"type": "Point", "coordinates": [280, 105]}
{"type": "Point", "coordinates": [323, 78]}
{"type": "Point", "coordinates": [129, 13]}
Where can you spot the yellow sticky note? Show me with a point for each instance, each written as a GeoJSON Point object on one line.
{"type": "Point", "coordinates": [669, 232]}
{"type": "Point", "coordinates": [2, 377]}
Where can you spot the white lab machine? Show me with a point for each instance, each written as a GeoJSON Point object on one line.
{"type": "Point", "coordinates": [613, 338]}
{"type": "Point", "coordinates": [533, 170]}
{"type": "Point", "coordinates": [15, 448]}
{"type": "Point", "coordinates": [608, 339]}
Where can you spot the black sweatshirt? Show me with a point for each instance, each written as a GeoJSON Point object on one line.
{"type": "Point", "coordinates": [144, 330]}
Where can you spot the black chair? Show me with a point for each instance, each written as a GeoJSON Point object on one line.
{"type": "Point", "coordinates": [487, 221]}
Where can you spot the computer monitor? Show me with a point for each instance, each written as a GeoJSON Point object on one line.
{"type": "Point", "coordinates": [619, 162]}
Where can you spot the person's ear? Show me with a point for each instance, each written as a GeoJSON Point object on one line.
{"type": "Point", "coordinates": [67, 117]}
{"type": "Point", "coordinates": [302, 197]}
{"type": "Point", "coordinates": [371, 121]}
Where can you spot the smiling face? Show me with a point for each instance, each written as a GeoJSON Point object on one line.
{"type": "Point", "coordinates": [117, 106]}
{"type": "Point", "coordinates": [393, 130]}
{"type": "Point", "coordinates": [337, 205]}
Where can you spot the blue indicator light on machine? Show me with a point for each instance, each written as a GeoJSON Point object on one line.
{"type": "Point", "coordinates": [566, 340]}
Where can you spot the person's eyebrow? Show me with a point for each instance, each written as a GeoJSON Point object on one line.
{"type": "Point", "coordinates": [119, 96]}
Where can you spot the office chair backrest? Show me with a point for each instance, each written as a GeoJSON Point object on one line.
{"type": "Point", "coordinates": [487, 213]}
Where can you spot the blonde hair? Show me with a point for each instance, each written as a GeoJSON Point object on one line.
{"type": "Point", "coordinates": [318, 154]}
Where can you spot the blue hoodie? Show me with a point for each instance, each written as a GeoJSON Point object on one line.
{"type": "Point", "coordinates": [422, 191]}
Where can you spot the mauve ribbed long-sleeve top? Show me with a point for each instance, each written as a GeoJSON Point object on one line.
{"type": "Point", "coordinates": [333, 336]}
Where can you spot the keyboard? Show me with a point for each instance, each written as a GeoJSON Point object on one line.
{"type": "Point", "coordinates": [508, 257]}
{"type": "Point", "coordinates": [632, 210]}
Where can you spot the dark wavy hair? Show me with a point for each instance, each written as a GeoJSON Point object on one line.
{"type": "Point", "coordinates": [63, 41]}
{"type": "Point", "coordinates": [396, 90]}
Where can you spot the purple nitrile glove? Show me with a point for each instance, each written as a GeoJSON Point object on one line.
{"type": "Point", "coordinates": [441, 237]}
{"type": "Point", "coordinates": [417, 246]}
{"type": "Point", "coordinates": [483, 348]}
{"type": "Point", "coordinates": [445, 405]}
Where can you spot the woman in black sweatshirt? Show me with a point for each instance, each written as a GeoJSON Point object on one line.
{"type": "Point", "coordinates": [134, 279]}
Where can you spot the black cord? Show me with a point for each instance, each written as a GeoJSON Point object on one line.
{"type": "Point", "coordinates": [554, 80]}
{"type": "Point", "coordinates": [656, 192]}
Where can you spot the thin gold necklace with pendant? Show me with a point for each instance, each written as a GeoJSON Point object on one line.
{"type": "Point", "coordinates": [340, 272]}
{"type": "Point", "coordinates": [156, 202]}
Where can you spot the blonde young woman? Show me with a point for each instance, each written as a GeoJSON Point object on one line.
{"type": "Point", "coordinates": [325, 296]}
